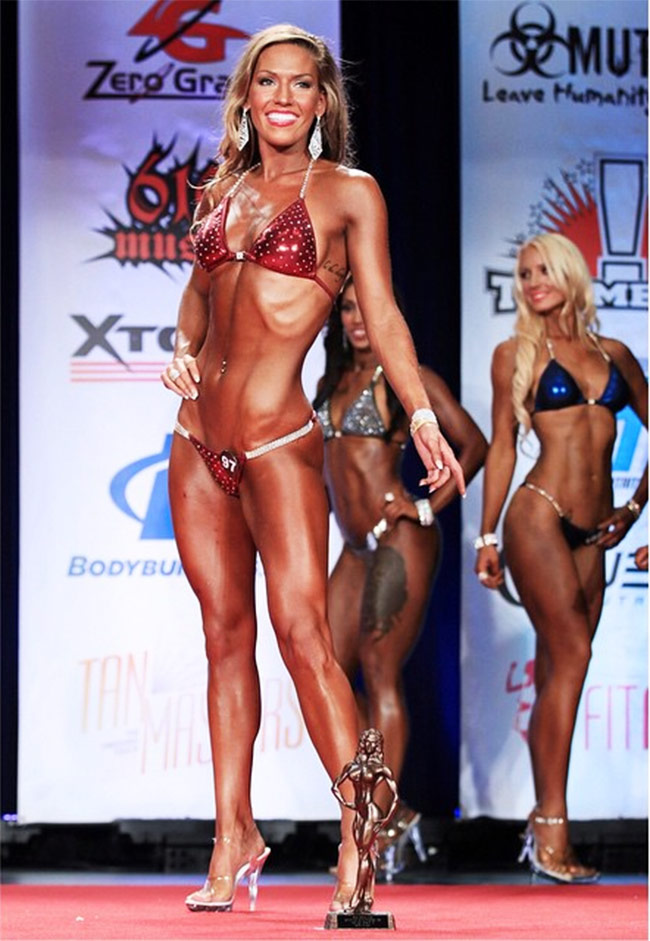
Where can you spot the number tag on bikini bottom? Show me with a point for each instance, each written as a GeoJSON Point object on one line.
{"type": "Point", "coordinates": [232, 466]}
{"type": "Point", "coordinates": [226, 467]}
{"type": "Point", "coordinates": [229, 462]}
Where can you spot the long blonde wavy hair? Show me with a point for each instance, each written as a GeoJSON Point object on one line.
{"type": "Point", "coordinates": [568, 272]}
{"type": "Point", "coordinates": [335, 124]}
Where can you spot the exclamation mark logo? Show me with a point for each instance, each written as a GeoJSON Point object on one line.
{"type": "Point", "coordinates": [622, 195]}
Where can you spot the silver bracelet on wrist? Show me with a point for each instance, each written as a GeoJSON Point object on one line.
{"type": "Point", "coordinates": [426, 515]}
{"type": "Point", "coordinates": [485, 540]}
{"type": "Point", "coordinates": [634, 508]}
{"type": "Point", "coordinates": [422, 416]}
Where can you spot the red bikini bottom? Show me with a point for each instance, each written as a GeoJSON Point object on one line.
{"type": "Point", "coordinates": [227, 467]}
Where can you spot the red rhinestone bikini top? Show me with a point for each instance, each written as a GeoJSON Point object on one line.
{"type": "Point", "coordinates": [286, 245]}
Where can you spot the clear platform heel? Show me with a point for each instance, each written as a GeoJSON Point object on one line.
{"type": "Point", "coordinates": [208, 898]}
{"type": "Point", "coordinates": [403, 830]}
{"type": "Point", "coordinates": [545, 860]}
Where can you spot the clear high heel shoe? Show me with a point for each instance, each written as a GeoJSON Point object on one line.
{"type": "Point", "coordinates": [402, 830]}
{"type": "Point", "coordinates": [343, 891]}
{"type": "Point", "coordinates": [204, 899]}
{"type": "Point", "coordinates": [544, 860]}
{"type": "Point", "coordinates": [342, 895]}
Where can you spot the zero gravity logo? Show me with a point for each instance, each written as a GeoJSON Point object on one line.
{"type": "Point", "coordinates": [159, 203]}
{"type": "Point", "coordinates": [181, 30]}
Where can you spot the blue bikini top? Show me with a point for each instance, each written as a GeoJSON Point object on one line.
{"type": "Point", "coordinates": [361, 418]}
{"type": "Point", "coordinates": [558, 389]}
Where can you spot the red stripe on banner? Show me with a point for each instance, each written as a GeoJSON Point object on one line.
{"type": "Point", "coordinates": [115, 379]}
{"type": "Point", "coordinates": [116, 372]}
{"type": "Point", "coordinates": [135, 365]}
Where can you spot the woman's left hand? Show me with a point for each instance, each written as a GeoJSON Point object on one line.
{"type": "Point", "coordinates": [615, 527]}
{"type": "Point", "coordinates": [438, 458]}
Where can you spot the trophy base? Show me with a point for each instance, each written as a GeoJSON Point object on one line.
{"type": "Point", "coordinates": [351, 919]}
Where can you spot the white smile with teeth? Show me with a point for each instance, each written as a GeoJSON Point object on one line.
{"type": "Point", "coordinates": [281, 117]}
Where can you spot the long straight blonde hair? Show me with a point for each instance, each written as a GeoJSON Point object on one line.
{"type": "Point", "coordinates": [568, 272]}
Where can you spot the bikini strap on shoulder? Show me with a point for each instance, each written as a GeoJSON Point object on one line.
{"type": "Point", "coordinates": [305, 179]}
{"type": "Point", "coordinates": [376, 374]}
{"type": "Point", "coordinates": [596, 341]}
{"type": "Point", "coordinates": [240, 179]}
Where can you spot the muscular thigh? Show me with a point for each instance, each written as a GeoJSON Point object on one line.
{"type": "Point", "coordinates": [344, 594]}
{"type": "Point", "coordinates": [548, 575]}
{"type": "Point", "coordinates": [285, 506]}
{"type": "Point", "coordinates": [214, 543]}
{"type": "Point", "coordinates": [397, 585]}
{"type": "Point", "coordinates": [590, 565]}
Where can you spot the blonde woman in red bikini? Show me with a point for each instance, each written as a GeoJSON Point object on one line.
{"type": "Point", "coordinates": [275, 234]}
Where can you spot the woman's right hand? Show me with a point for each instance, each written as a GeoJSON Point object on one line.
{"type": "Point", "coordinates": [396, 507]}
{"type": "Point", "coordinates": [181, 376]}
{"type": "Point", "coordinates": [488, 567]}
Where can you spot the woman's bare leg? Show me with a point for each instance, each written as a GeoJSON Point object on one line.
{"type": "Point", "coordinates": [218, 557]}
{"type": "Point", "coordinates": [285, 505]}
{"type": "Point", "coordinates": [553, 581]}
{"type": "Point", "coordinates": [399, 577]}
{"type": "Point", "coordinates": [344, 594]}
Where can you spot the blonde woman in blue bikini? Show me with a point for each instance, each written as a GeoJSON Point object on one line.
{"type": "Point", "coordinates": [561, 379]}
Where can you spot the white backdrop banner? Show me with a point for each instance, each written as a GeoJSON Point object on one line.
{"type": "Point", "coordinates": [119, 111]}
{"type": "Point", "coordinates": [554, 138]}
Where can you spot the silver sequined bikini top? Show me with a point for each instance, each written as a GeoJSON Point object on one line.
{"type": "Point", "coordinates": [361, 418]}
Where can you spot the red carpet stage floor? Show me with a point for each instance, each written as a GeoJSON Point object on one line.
{"type": "Point", "coordinates": [285, 912]}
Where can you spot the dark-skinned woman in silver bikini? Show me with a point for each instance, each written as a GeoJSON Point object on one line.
{"type": "Point", "coordinates": [567, 383]}
{"type": "Point", "coordinates": [380, 586]}
{"type": "Point", "coordinates": [245, 474]}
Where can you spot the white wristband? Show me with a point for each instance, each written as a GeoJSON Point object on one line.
{"type": "Point", "coordinates": [425, 513]}
{"type": "Point", "coordinates": [485, 540]}
{"type": "Point", "coordinates": [422, 416]}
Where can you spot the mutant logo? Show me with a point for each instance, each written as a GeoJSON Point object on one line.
{"type": "Point", "coordinates": [540, 58]}
{"type": "Point", "coordinates": [534, 43]}
{"type": "Point", "coordinates": [183, 39]}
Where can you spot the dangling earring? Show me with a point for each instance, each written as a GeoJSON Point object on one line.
{"type": "Point", "coordinates": [315, 145]}
{"type": "Point", "coordinates": [346, 342]}
{"type": "Point", "coordinates": [244, 130]}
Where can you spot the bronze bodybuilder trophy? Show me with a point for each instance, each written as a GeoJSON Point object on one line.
{"type": "Point", "coordinates": [365, 772]}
